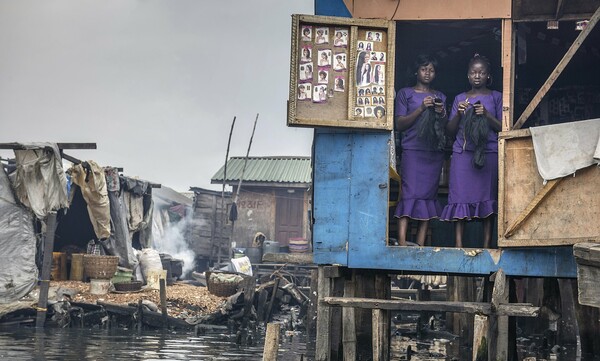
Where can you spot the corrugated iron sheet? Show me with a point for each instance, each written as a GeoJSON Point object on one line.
{"type": "Point", "coordinates": [267, 169]}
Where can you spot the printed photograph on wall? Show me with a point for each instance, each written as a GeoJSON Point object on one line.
{"type": "Point", "coordinates": [324, 57]}
{"type": "Point", "coordinates": [323, 76]}
{"type": "Point", "coordinates": [358, 112]}
{"type": "Point", "coordinates": [306, 33]}
{"type": "Point", "coordinates": [378, 76]}
{"type": "Point", "coordinates": [340, 38]}
{"type": "Point", "coordinates": [365, 46]}
{"type": "Point", "coordinates": [320, 93]}
{"type": "Point", "coordinates": [363, 69]}
{"type": "Point", "coordinates": [368, 112]}
{"type": "Point", "coordinates": [377, 37]}
{"type": "Point", "coordinates": [322, 36]}
{"type": "Point", "coordinates": [304, 91]}
{"type": "Point", "coordinates": [379, 112]}
{"type": "Point", "coordinates": [339, 84]}
{"type": "Point", "coordinates": [306, 54]}
{"type": "Point", "coordinates": [339, 62]}
{"type": "Point", "coordinates": [305, 73]}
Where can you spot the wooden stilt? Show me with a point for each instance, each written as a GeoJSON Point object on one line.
{"type": "Point", "coordinates": [335, 315]}
{"type": "Point", "coordinates": [323, 318]}
{"type": "Point", "coordinates": [498, 327]}
{"type": "Point", "coordinates": [311, 317]}
{"type": "Point", "coordinates": [46, 269]}
{"type": "Point", "coordinates": [349, 321]}
{"type": "Point", "coordinates": [271, 342]}
{"type": "Point", "coordinates": [379, 338]}
{"type": "Point", "coordinates": [381, 319]}
{"type": "Point", "coordinates": [163, 302]}
{"type": "Point", "coordinates": [480, 338]}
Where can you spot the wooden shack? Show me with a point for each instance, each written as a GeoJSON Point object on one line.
{"type": "Point", "coordinates": [351, 160]}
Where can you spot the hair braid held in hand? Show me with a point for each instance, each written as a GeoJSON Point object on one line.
{"type": "Point", "coordinates": [476, 130]}
{"type": "Point", "coordinates": [431, 129]}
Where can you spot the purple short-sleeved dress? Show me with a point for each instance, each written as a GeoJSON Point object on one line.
{"type": "Point", "coordinates": [473, 193]}
{"type": "Point", "coordinates": [420, 166]}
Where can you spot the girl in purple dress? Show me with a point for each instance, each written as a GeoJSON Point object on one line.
{"type": "Point", "coordinates": [473, 188]}
{"type": "Point", "coordinates": [421, 163]}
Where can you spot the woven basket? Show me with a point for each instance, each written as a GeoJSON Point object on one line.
{"type": "Point", "coordinates": [222, 284]}
{"type": "Point", "coordinates": [100, 267]}
{"type": "Point", "coordinates": [128, 286]}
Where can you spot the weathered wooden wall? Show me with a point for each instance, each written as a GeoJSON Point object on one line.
{"type": "Point", "coordinates": [567, 215]}
{"type": "Point", "coordinates": [209, 228]}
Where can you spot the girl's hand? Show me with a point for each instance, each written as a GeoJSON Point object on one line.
{"type": "Point", "coordinates": [427, 102]}
{"type": "Point", "coordinates": [462, 107]}
{"type": "Point", "coordinates": [480, 109]}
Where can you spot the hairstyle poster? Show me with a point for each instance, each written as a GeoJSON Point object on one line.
{"type": "Point", "coordinates": [322, 35]}
{"type": "Point", "coordinates": [340, 38]}
{"type": "Point", "coordinates": [306, 31]}
{"type": "Point", "coordinates": [339, 62]}
{"type": "Point", "coordinates": [320, 94]}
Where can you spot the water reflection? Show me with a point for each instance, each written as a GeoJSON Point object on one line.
{"type": "Point", "coordinates": [86, 344]}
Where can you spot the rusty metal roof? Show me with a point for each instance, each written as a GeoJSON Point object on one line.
{"type": "Point", "coordinates": [274, 169]}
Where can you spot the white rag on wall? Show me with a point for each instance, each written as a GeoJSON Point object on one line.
{"type": "Point", "coordinates": [562, 149]}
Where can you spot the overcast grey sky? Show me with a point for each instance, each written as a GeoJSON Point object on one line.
{"type": "Point", "coordinates": [155, 83]}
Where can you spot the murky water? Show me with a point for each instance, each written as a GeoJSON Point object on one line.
{"type": "Point", "coordinates": [85, 344]}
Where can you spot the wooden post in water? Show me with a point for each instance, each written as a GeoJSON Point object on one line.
{"type": "Point", "coordinates": [271, 342]}
{"type": "Point", "coordinates": [46, 268]}
{"type": "Point", "coordinates": [163, 302]}
{"type": "Point", "coordinates": [323, 343]}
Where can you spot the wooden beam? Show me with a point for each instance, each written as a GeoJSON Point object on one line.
{"type": "Point", "coordinates": [293, 258]}
{"type": "Point", "coordinates": [508, 73]}
{"type": "Point", "coordinates": [558, 70]}
{"type": "Point", "coordinates": [61, 146]}
{"type": "Point", "coordinates": [512, 309]}
{"type": "Point", "coordinates": [533, 204]}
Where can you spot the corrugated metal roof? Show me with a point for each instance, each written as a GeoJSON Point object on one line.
{"type": "Point", "coordinates": [277, 169]}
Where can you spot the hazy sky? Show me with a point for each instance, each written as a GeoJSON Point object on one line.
{"type": "Point", "coordinates": [155, 83]}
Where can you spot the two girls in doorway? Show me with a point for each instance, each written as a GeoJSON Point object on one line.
{"type": "Point", "coordinates": [474, 167]}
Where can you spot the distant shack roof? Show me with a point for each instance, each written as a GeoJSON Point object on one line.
{"type": "Point", "coordinates": [264, 171]}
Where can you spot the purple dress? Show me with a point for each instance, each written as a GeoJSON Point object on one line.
{"type": "Point", "coordinates": [473, 193]}
{"type": "Point", "coordinates": [420, 166]}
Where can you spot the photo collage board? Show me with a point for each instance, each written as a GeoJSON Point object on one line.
{"type": "Point", "coordinates": [323, 63]}
{"type": "Point", "coordinates": [370, 69]}
{"type": "Point", "coordinates": [339, 72]}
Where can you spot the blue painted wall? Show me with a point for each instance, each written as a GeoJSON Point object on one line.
{"type": "Point", "coordinates": [350, 170]}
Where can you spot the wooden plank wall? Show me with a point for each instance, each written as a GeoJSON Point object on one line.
{"type": "Point", "coordinates": [568, 215]}
{"type": "Point", "coordinates": [207, 227]}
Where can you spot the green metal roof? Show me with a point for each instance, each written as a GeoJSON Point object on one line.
{"type": "Point", "coordinates": [276, 169]}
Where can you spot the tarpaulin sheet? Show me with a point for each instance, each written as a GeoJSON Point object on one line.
{"type": "Point", "coordinates": [562, 149]}
{"type": "Point", "coordinates": [18, 271]}
{"type": "Point", "coordinates": [40, 182]}
{"type": "Point", "coordinates": [90, 177]}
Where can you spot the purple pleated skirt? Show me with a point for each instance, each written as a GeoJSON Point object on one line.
{"type": "Point", "coordinates": [473, 193]}
{"type": "Point", "coordinates": [420, 171]}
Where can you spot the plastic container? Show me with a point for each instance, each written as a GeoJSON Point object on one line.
{"type": "Point", "coordinates": [122, 275]}
{"type": "Point", "coordinates": [254, 254]}
{"type": "Point", "coordinates": [270, 247]}
{"type": "Point", "coordinates": [99, 286]}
